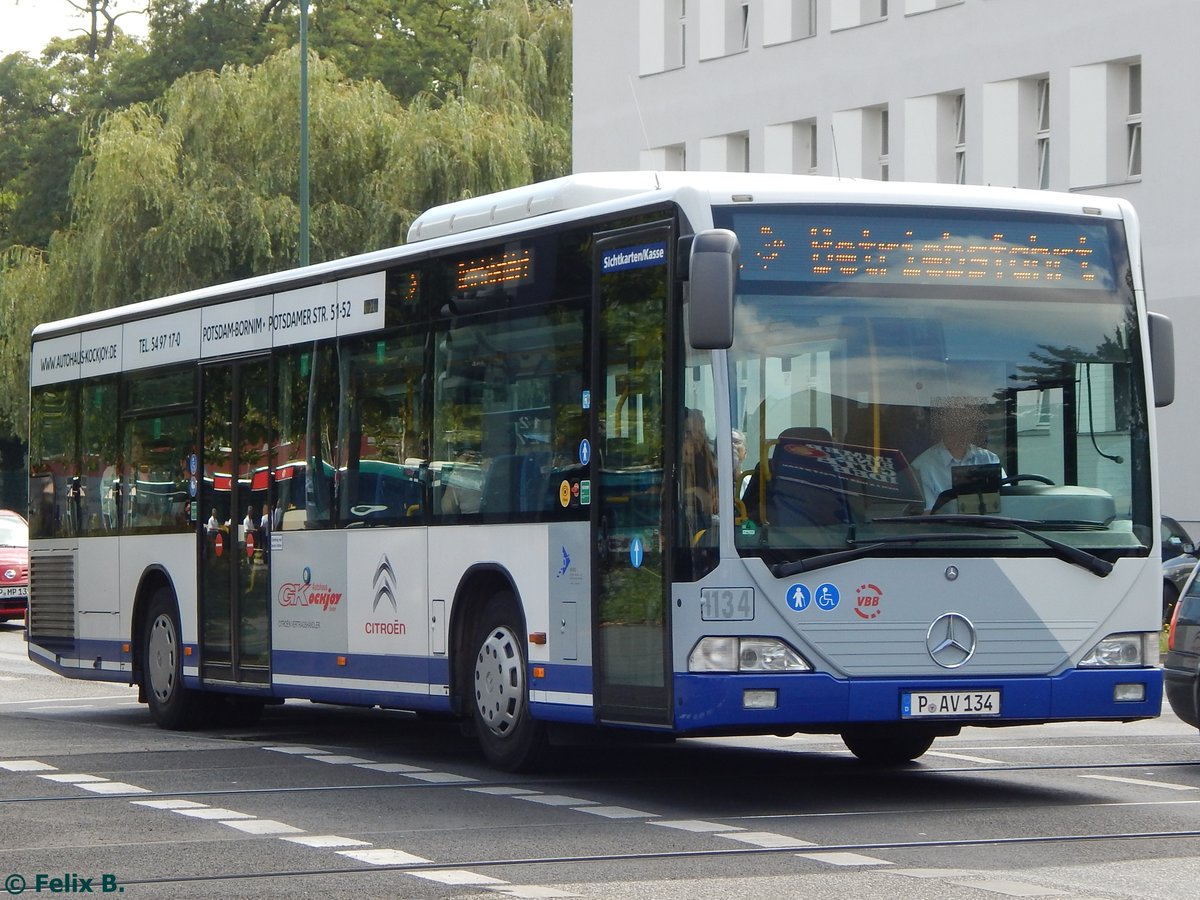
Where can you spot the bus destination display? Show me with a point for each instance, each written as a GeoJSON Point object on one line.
{"type": "Point", "coordinates": [818, 246]}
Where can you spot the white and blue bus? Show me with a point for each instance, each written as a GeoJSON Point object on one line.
{"type": "Point", "coordinates": [666, 452]}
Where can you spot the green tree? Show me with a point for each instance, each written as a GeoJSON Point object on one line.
{"type": "Point", "coordinates": [199, 187]}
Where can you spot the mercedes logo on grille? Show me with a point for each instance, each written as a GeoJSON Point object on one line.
{"type": "Point", "coordinates": [951, 640]}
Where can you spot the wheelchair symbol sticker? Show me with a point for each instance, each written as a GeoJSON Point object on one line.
{"type": "Point", "coordinates": [827, 596]}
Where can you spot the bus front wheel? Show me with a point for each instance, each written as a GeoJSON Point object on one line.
{"type": "Point", "coordinates": [512, 739]}
{"type": "Point", "coordinates": [172, 706]}
{"type": "Point", "coordinates": [887, 745]}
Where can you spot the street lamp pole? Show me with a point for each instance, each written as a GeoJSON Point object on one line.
{"type": "Point", "coordinates": [303, 199]}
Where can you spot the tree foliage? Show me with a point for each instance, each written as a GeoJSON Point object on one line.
{"type": "Point", "coordinates": [198, 186]}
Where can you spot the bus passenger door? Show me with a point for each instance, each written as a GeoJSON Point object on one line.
{"type": "Point", "coordinates": [235, 578]}
{"type": "Point", "coordinates": [631, 616]}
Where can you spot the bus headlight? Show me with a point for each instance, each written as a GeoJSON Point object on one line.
{"type": "Point", "coordinates": [745, 654]}
{"type": "Point", "coordinates": [1123, 651]}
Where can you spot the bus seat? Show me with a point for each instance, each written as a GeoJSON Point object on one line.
{"type": "Point", "coordinates": [792, 502]}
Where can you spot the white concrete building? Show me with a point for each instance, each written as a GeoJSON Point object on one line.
{"type": "Point", "coordinates": [1071, 95]}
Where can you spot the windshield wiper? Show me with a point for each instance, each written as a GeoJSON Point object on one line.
{"type": "Point", "coordinates": [1065, 552]}
{"type": "Point", "coordinates": [858, 551]}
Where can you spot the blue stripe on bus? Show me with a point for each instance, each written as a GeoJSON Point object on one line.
{"type": "Point", "coordinates": [704, 702]}
{"type": "Point", "coordinates": [373, 667]}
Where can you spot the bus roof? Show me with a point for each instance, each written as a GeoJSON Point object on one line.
{"type": "Point", "coordinates": [563, 199]}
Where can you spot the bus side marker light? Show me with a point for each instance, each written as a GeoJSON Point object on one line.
{"type": "Point", "coordinates": [1129, 693]}
{"type": "Point", "coordinates": [341, 660]}
{"type": "Point", "coordinates": [187, 651]}
{"type": "Point", "coordinates": [125, 648]}
{"type": "Point", "coordinates": [539, 672]}
{"type": "Point", "coordinates": [537, 637]}
{"type": "Point", "coordinates": [760, 699]}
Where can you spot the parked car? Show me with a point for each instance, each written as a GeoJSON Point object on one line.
{"type": "Point", "coordinates": [1181, 667]}
{"type": "Point", "coordinates": [14, 565]}
{"type": "Point", "coordinates": [1178, 560]}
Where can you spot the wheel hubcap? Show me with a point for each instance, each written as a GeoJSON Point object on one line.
{"type": "Point", "coordinates": [162, 657]}
{"type": "Point", "coordinates": [499, 682]}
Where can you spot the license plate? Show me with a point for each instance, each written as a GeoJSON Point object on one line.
{"type": "Point", "coordinates": [14, 592]}
{"type": "Point", "coordinates": [928, 704]}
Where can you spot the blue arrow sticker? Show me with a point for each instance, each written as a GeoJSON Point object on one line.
{"type": "Point", "coordinates": [636, 553]}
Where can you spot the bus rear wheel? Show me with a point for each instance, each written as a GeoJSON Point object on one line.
{"type": "Point", "coordinates": [512, 739]}
{"type": "Point", "coordinates": [172, 706]}
{"type": "Point", "coordinates": [887, 745]}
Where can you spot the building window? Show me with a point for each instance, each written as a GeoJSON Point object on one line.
{"type": "Point", "coordinates": [724, 27]}
{"type": "Point", "coordinates": [960, 138]}
{"type": "Point", "coordinates": [788, 20]}
{"type": "Point", "coordinates": [912, 7]}
{"type": "Point", "coordinates": [1133, 124]}
{"type": "Point", "coordinates": [672, 158]}
{"type": "Point", "coordinates": [852, 13]}
{"type": "Point", "coordinates": [1043, 133]}
{"type": "Point", "coordinates": [725, 153]}
{"type": "Point", "coordinates": [884, 123]}
{"type": "Point", "coordinates": [662, 35]}
{"type": "Point", "coordinates": [791, 147]}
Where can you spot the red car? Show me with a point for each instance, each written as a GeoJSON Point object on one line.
{"type": "Point", "coordinates": [14, 565]}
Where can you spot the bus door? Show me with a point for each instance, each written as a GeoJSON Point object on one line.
{"type": "Point", "coordinates": [630, 615]}
{"type": "Point", "coordinates": [235, 575]}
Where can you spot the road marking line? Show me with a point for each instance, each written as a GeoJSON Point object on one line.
{"type": "Point", "coordinates": [389, 767]}
{"type": "Point", "coordinates": [169, 804]}
{"type": "Point", "coordinates": [441, 777]}
{"type": "Point", "coordinates": [615, 812]}
{"type": "Point", "coordinates": [26, 765]}
{"type": "Point", "coordinates": [527, 891]}
{"type": "Point", "coordinates": [555, 800]}
{"type": "Point", "coordinates": [335, 760]}
{"type": "Point", "coordinates": [262, 826]}
{"type": "Point", "coordinates": [212, 812]}
{"type": "Point", "coordinates": [72, 779]}
{"type": "Point", "coordinates": [322, 841]}
{"type": "Point", "coordinates": [699, 826]}
{"type": "Point", "coordinates": [113, 787]}
{"type": "Point", "coordinates": [1142, 782]}
{"type": "Point", "coordinates": [457, 876]}
{"type": "Point", "coordinates": [381, 856]}
{"type": "Point", "coordinates": [962, 756]}
{"type": "Point", "coordinates": [845, 859]}
{"type": "Point", "coordinates": [765, 839]}
{"type": "Point", "coordinates": [296, 751]}
{"type": "Point", "coordinates": [502, 791]}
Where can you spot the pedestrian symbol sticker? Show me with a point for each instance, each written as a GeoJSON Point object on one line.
{"type": "Point", "coordinates": [585, 452]}
{"type": "Point", "coordinates": [827, 596]}
{"type": "Point", "coordinates": [798, 597]}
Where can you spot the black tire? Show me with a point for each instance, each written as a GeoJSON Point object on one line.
{"type": "Point", "coordinates": [511, 738]}
{"type": "Point", "coordinates": [172, 706]}
{"type": "Point", "coordinates": [887, 745]}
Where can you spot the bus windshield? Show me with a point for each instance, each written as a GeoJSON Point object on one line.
{"type": "Point", "coordinates": [906, 376]}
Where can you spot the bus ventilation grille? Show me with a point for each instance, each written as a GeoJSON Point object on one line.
{"type": "Point", "coordinates": [51, 597]}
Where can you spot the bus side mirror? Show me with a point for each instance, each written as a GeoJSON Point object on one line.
{"type": "Point", "coordinates": [1162, 359]}
{"type": "Point", "coordinates": [712, 272]}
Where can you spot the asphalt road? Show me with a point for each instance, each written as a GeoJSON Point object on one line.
{"type": "Point", "coordinates": [319, 801]}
